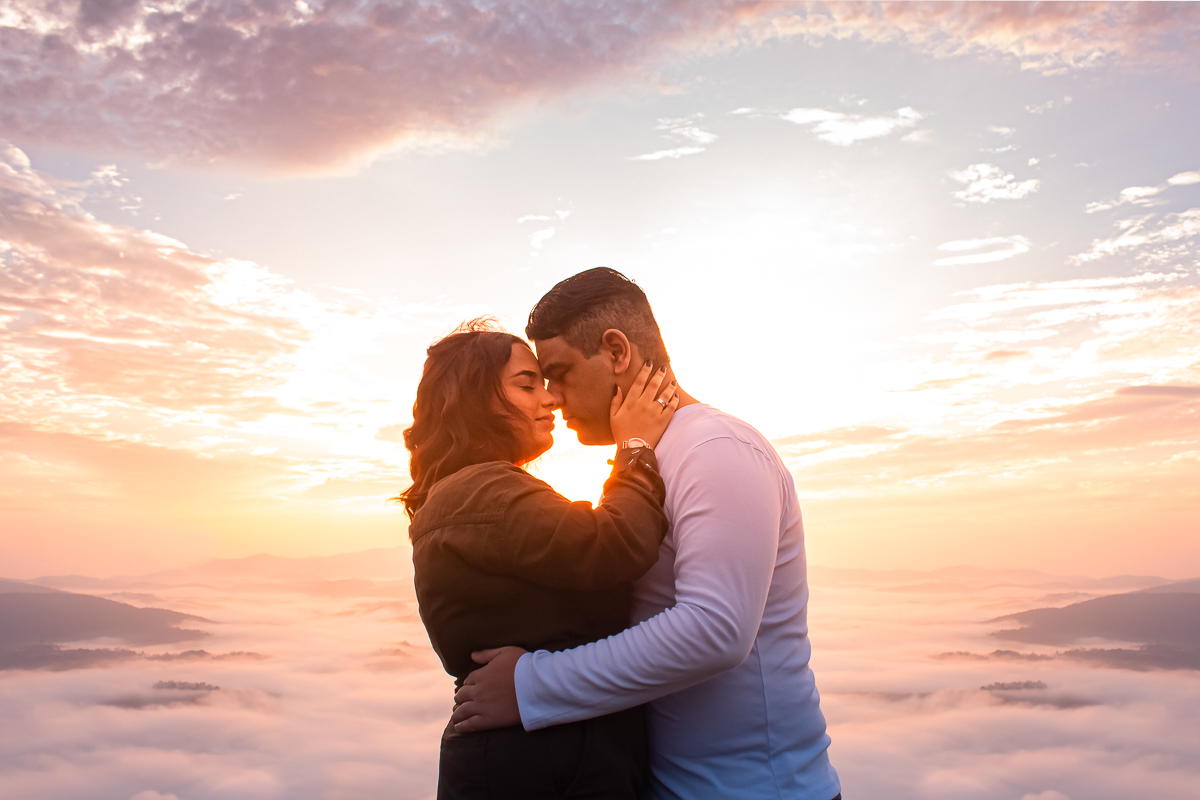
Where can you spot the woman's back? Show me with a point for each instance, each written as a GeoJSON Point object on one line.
{"type": "Point", "coordinates": [501, 558]}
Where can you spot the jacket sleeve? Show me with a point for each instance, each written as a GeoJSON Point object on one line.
{"type": "Point", "coordinates": [564, 545]}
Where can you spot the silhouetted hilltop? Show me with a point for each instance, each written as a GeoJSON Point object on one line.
{"type": "Point", "coordinates": [1178, 586]}
{"type": "Point", "coordinates": [8, 586]}
{"type": "Point", "coordinates": [50, 617]}
{"type": "Point", "coordinates": [380, 564]}
{"type": "Point", "coordinates": [952, 580]}
{"type": "Point", "coordinates": [1150, 618]}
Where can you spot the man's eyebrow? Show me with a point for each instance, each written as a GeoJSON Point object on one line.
{"type": "Point", "coordinates": [555, 367]}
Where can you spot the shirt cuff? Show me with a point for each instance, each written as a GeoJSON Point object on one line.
{"type": "Point", "coordinates": [523, 681]}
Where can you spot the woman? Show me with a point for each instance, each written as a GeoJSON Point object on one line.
{"type": "Point", "coordinates": [500, 558]}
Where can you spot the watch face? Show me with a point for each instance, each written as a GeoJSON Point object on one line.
{"type": "Point", "coordinates": [636, 443]}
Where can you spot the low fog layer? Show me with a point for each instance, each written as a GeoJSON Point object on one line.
{"type": "Point", "coordinates": [316, 682]}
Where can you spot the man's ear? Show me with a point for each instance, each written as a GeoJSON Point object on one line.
{"type": "Point", "coordinates": [618, 350]}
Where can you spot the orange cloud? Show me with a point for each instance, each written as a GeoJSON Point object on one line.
{"type": "Point", "coordinates": [104, 310]}
{"type": "Point", "coordinates": [1079, 452]}
{"type": "Point", "coordinates": [184, 404]}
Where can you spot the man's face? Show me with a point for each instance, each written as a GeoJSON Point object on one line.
{"type": "Point", "coordinates": [582, 387]}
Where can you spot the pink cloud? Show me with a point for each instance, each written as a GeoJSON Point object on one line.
{"type": "Point", "coordinates": [1048, 37]}
{"type": "Point", "coordinates": [312, 86]}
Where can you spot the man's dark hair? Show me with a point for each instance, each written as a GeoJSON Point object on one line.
{"type": "Point", "coordinates": [581, 308]}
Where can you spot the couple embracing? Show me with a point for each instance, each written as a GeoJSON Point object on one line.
{"type": "Point", "coordinates": [655, 645]}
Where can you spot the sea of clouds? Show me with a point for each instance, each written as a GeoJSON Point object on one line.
{"type": "Point", "coordinates": [313, 678]}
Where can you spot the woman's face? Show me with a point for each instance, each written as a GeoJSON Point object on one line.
{"type": "Point", "coordinates": [525, 388]}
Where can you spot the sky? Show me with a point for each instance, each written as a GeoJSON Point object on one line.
{"type": "Point", "coordinates": [943, 255]}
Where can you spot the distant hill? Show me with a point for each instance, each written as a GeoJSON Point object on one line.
{"type": "Point", "coordinates": [50, 617]}
{"type": "Point", "coordinates": [7, 586]}
{"type": "Point", "coordinates": [385, 563]}
{"type": "Point", "coordinates": [951, 580]}
{"type": "Point", "coordinates": [1178, 586]}
{"type": "Point", "coordinates": [1147, 617]}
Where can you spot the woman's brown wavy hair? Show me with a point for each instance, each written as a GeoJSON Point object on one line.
{"type": "Point", "coordinates": [461, 416]}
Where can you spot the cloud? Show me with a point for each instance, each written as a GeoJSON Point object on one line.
{"type": "Point", "coordinates": [1136, 233]}
{"type": "Point", "coordinates": [1137, 195]}
{"type": "Point", "coordinates": [352, 704]}
{"type": "Point", "coordinates": [312, 85]}
{"type": "Point", "coordinates": [1049, 105]}
{"type": "Point", "coordinates": [539, 238]}
{"type": "Point", "coordinates": [345, 707]}
{"type": "Point", "coordinates": [1048, 39]}
{"type": "Point", "coordinates": [320, 85]}
{"type": "Point", "coordinates": [1142, 195]}
{"type": "Point", "coordinates": [134, 365]}
{"type": "Point", "coordinates": [998, 248]}
{"type": "Point", "coordinates": [1162, 391]}
{"type": "Point", "coordinates": [676, 152]}
{"type": "Point", "coordinates": [1022, 410]}
{"type": "Point", "coordinates": [987, 182]}
{"type": "Point", "coordinates": [844, 129]}
{"type": "Point", "coordinates": [686, 130]}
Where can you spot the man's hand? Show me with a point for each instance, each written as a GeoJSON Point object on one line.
{"type": "Point", "coordinates": [488, 698]}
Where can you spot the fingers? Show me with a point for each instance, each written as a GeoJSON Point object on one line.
{"type": "Point", "coordinates": [655, 382]}
{"type": "Point", "coordinates": [484, 657]}
{"type": "Point", "coordinates": [615, 405]}
{"type": "Point", "coordinates": [463, 713]}
{"type": "Point", "coordinates": [470, 725]}
{"type": "Point", "coordinates": [639, 383]}
{"type": "Point", "coordinates": [671, 393]}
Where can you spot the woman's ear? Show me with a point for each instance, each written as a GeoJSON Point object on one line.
{"type": "Point", "coordinates": [617, 348]}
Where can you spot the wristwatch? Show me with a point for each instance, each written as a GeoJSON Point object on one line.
{"type": "Point", "coordinates": [634, 444]}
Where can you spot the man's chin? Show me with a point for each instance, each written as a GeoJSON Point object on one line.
{"type": "Point", "coordinates": [593, 438]}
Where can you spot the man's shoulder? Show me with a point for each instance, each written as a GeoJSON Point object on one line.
{"type": "Point", "coordinates": [699, 424]}
{"type": "Point", "coordinates": [709, 444]}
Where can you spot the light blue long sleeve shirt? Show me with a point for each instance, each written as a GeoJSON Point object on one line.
{"type": "Point", "coordinates": [720, 650]}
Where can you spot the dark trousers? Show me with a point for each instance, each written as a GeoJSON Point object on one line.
{"type": "Point", "coordinates": [602, 758]}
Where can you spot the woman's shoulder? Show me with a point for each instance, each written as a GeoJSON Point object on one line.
{"type": "Point", "coordinates": [477, 494]}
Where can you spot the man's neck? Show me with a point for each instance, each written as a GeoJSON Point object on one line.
{"type": "Point", "coordinates": [685, 399]}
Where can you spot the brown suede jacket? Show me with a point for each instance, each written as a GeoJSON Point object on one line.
{"type": "Point", "coordinates": [501, 558]}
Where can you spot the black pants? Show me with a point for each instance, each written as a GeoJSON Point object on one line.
{"type": "Point", "coordinates": [602, 758]}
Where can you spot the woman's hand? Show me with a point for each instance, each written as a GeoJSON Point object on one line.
{"type": "Point", "coordinates": [644, 414]}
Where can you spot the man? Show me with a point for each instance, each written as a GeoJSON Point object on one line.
{"type": "Point", "coordinates": [719, 648]}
